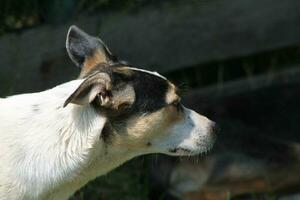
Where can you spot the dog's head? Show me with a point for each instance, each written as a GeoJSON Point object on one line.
{"type": "Point", "coordinates": [143, 109]}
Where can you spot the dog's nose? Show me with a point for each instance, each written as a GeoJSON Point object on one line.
{"type": "Point", "coordinates": [215, 128]}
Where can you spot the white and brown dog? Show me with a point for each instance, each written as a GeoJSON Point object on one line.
{"type": "Point", "coordinates": [54, 142]}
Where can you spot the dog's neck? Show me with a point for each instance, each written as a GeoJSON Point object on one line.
{"type": "Point", "coordinates": [63, 145]}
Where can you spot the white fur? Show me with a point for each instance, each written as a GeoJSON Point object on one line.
{"type": "Point", "coordinates": [47, 151]}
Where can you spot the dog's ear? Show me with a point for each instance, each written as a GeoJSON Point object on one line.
{"type": "Point", "coordinates": [95, 86]}
{"type": "Point", "coordinates": [86, 51]}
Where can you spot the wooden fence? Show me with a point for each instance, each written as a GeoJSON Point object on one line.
{"type": "Point", "coordinates": [163, 38]}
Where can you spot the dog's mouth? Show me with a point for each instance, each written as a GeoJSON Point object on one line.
{"type": "Point", "coordinates": [181, 152]}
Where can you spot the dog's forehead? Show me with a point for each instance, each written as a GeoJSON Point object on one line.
{"type": "Point", "coordinates": [152, 90]}
{"type": "Point", "coordinates": [142, 78]}
{"type": "Point", "coordinates": [148, 81]}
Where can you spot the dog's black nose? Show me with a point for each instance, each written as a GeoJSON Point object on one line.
{"type": "Point", "coordinates": [215, 128]}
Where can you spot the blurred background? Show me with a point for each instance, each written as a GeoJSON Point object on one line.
{"type": "Point", "coordinates": [238, 62]}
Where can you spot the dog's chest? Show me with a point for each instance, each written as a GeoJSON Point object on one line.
{"type": "Point", "coordinates": [100, 164]}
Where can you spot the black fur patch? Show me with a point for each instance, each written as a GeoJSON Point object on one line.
{"type": "Point", "coordinates": [107, 132]}
{"type": "Point", "coordinates": [150, 91]}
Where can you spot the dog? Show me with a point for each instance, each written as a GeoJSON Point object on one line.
{"type": "Point", "coordinates": [54, 142]}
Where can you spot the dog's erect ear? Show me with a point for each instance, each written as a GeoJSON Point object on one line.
{"type": "Point", "coordinates": [86, 51]}
{"type": "Point", "coordinates": [97, 85]}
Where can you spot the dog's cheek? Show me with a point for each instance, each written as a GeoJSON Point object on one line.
{"type": "Point", "coordinates": [140, 130]}
{"type": "Point", "coordinates": [173, 116]}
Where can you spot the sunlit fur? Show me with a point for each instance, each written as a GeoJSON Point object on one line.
{"type": "Point", "coordinates": [47, 151]}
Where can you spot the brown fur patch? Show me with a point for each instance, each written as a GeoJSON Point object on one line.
{"type": "Point", "coordinates": [124, 70]}
{"type": "Point", "coordinates": [91, 61]}
{"type": "Point", "coordinates": [171, 95]}
{"type": "Point", "coordinates": [140, 130]}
